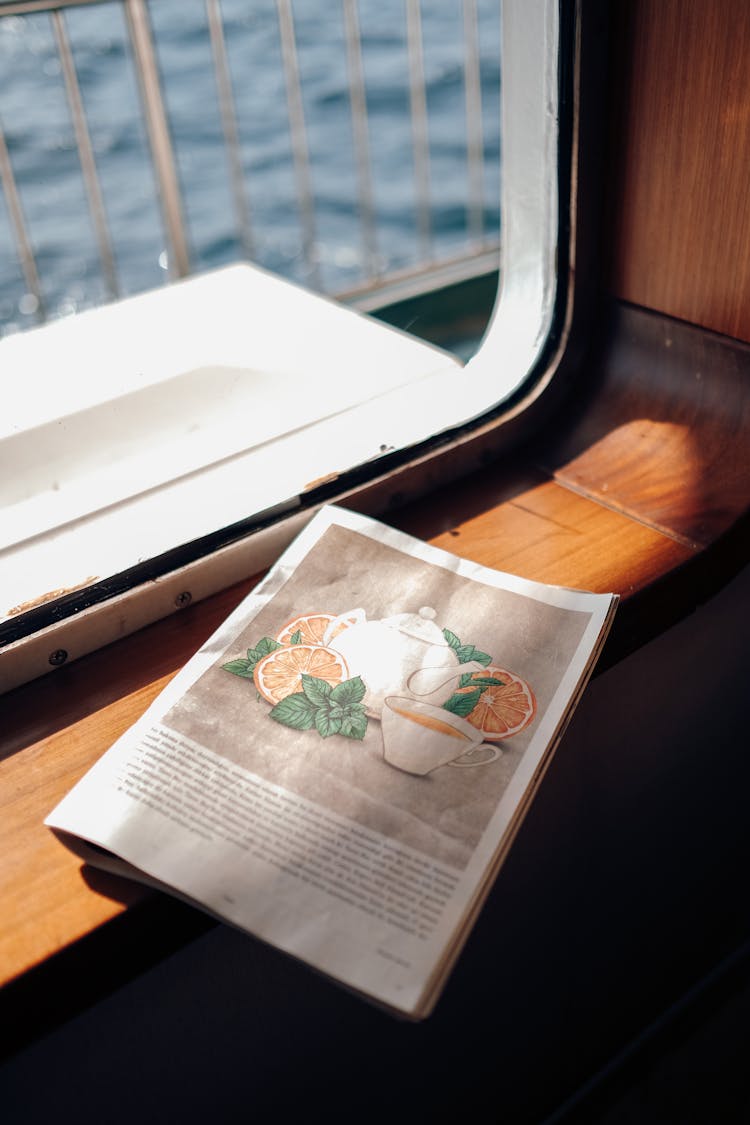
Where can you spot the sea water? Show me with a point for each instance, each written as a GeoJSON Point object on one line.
{"type": "Point", "coordinates": [41, 144]}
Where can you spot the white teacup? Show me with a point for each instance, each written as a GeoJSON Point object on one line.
{"type": "Point", "coordinates": [419, 737]}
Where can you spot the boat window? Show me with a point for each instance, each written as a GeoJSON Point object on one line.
{"type": "Point", "coordinates": [352, 147]}
{"type": "Point", "coordinates": [193, 424]}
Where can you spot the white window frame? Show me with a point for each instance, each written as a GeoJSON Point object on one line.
{"type": "Point", "coordinates": [127, 560]}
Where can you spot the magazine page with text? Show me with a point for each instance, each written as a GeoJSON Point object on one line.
{"type": "Point", "coordinates": [341, 767]}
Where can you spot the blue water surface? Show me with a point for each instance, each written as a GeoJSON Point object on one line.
{"type": "Point", "coordinates": [41, 144]}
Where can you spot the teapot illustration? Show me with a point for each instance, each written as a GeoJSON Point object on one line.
{"type": "Point", "coordinates": [389, 653]}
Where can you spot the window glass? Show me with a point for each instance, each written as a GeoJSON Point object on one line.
{"type": "Point", "coordinates": [337, 144]}
{"type": "Point", "coordinates": [148, 432]}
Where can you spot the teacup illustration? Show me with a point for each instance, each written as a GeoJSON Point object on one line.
{"type": "Point", "coordinates": [419, 737]}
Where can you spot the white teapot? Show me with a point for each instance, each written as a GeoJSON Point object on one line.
{"type": "Point", "coordinates": [387, 653]}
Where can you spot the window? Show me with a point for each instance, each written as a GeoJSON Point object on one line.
{"type": "Point", "coordinates": [181, 457]}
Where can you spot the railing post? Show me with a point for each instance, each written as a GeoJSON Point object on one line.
{"type": "Point", "coordinates": [139, 29]}
{"type": "Point", "coordinates": [298, 131]}
{"type": "Point", "coordinates": [25, 253]}
{"type": "Point", "coordinates": [420, 138]}
{"type": "Point", "coordinates": [85, 154]}
{"type": "Point", "coordinates": [229, 125]}
{"type": "Point", "coordinates": [474, 131]}
{"type": "Point", "coordinates": [358, 101]}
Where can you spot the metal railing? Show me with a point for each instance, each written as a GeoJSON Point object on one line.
{"type": "Point", "coordinates": [143, 44]}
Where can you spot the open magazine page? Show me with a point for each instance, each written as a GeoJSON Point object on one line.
{"type": "Point", "coordinates": [337, 769]}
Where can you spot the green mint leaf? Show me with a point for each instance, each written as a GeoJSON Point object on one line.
{"type": "Point", "coordinates": [266, 645]}
{"type": "Point", "coordinates": [325, 723]}
{"type": "Point", "coordinates": [452, 639]}
{"type": "Point", "coordinates": [462, 703]}
{"type": "Point", "coordinates": [296, 638]}
{"type": "Point", "coordinates": [349, 691]}
{"type": "Point", "coordinates": [474, 679]}
{"type": "Point", "coordinates": [465, 653]}
{"type": "Point", "coordinates": [295, 711]}
{"type": "Point", "coordinates": [245, 666]}
{"type": "Point", "coordinates": [240, 667]}
{"type": "Point", "coordinates": [354, 725]}
{"type": "Point", "coordinates": [317, 691]}
{"type": "Point", "coordinates": [263, 647]}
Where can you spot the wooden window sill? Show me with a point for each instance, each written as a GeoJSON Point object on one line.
{"type": "Point", "coordinates": [643, 489]}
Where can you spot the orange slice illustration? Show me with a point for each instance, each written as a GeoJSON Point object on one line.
{"type": "Point", "coordinates": [280, 673]}
{"type": "Point", "coordinates": [310, 626]}
{"type": "Point", "coordinates": [503, 709]}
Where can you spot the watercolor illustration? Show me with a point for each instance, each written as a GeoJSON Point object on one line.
{"type": "Point", "coordinates": [439, 700]}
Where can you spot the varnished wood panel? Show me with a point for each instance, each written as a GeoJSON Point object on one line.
{"type": "Point", "coordinates": [61, 725]}
{"type": "Point", "coordinates": [680, 143]}
{"type": "Point", "coordinates": [119, 671]}
{"type": "Point", "coordinates": [665, 438]}
{"type": "Point", "coordinates": [545, 515]}
{"type": "Point", "coordinates": [550, 534]}
{"type": "Point", "coordinates": [53, 732]}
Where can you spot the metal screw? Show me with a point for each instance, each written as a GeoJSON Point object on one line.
{"type": "Point", "coordinates": [183, 599]}
{"type": "Point", "coordinates": [58, 657]}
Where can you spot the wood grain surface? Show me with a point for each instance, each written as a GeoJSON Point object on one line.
{"type": "Point", "coordinates": [56, 728]}
{"type": "Point", "coordinates": [680, 153]}
{"type": "Point", "coordinates": [669, 447]}
{"type": "Point", "coordinates": [666, 439]}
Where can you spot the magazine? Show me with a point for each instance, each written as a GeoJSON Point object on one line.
{"type": "Point", "coordinates": [340, 770]}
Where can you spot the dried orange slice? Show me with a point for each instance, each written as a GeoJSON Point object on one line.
{"type": "Point", "coordinates": [310, 626]}
{"type": "Point", "coordinates": [503, 709]}
{"type": "Point", "coordinates": [280, 673]}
